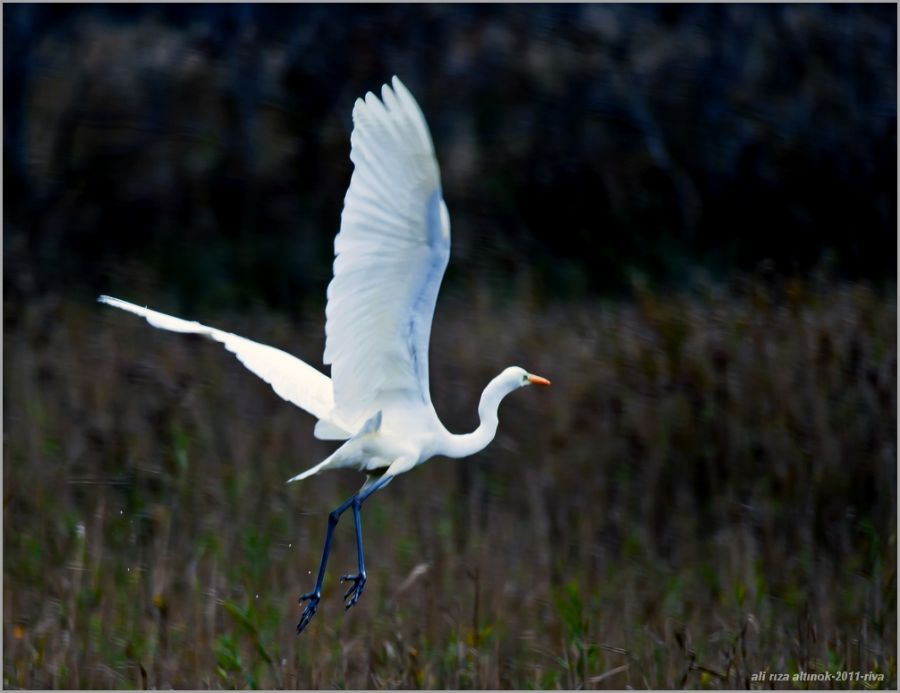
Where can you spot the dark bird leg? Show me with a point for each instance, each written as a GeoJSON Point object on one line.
{"type": "Point", "coordinates": [359, 580]}
{"type": "Point", "coordinates": [316, 594]}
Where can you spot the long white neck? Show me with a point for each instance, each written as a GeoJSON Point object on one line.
{"type": "Point", "coordinates": [470, 443]}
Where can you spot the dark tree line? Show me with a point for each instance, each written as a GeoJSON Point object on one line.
{"type": "Point", "coordinates": [205, 147]}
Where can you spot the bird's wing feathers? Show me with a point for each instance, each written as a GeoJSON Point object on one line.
{"type": "Point", "coordinates": [390, 257]}
{"type": "Point", "coordinates": [291, 378]}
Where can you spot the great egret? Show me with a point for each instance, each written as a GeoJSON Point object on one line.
{"type": "Point", "coordinates": [390, 256]}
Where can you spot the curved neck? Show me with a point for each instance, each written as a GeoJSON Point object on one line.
{"type": "Point", "coordinates": [470, 443]}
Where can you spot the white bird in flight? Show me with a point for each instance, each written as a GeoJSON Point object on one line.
{"type": "Point", "coordinates": [390, 255]}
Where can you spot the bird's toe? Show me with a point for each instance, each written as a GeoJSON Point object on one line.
{"type": "Point", "coordinates": [312, 599]}
{"type": "Point", "coordinates": [307, 615]}
{"type": "Point", "coordinates": [352, 595]}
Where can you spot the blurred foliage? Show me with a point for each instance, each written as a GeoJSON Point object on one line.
{"type": "Point", "coordinates": [708, 490]}
{"type": "Point", "coordinates": [205, 147]}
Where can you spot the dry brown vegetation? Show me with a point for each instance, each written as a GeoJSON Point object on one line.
{"type": "Point", "coordinates": [707, 491]}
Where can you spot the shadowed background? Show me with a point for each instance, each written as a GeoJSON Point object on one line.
{"type": "Point", "coordinates": [684, 216]}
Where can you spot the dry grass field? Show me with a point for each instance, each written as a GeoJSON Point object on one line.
{"type": "Point", "coordinates": [708, 490]}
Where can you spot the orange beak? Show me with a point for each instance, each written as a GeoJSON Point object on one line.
{"type": "Point", "coordinates": [537, 380]}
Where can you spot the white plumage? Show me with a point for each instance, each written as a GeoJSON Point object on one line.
{"type": "Point", "coordinates": [294, 380]}
{"type": "Point", "coordinates": [390, 256]}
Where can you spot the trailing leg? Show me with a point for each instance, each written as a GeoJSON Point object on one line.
{"type": "Point", "coordinates": [359, 580]}
{"type": "Point", "coordinates": [315, 595]}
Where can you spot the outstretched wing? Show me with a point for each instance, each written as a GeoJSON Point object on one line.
{"type": "Point", "coordinates": [390, 257]}
{"type": "Point", "coordinates": [291, 378]}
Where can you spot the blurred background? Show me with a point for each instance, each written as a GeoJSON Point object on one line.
{"type": "Point", "coordinates": [683, 215]}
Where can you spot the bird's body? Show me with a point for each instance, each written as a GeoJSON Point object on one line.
{"type": "Point", "coordinates": [390, 257]}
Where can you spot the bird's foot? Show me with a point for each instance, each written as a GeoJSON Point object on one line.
{"type": "Point", "coordinates": [310, 610]}
{"type": "Point", "coordinates": [359, 581]}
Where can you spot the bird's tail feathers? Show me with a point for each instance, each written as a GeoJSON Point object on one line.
{"type": "Point", "coordinates": [335, 460]}
{"type": "Point", "coordinates": [346, 455]}
{"type": "Point", "coordinates": [312, 470]}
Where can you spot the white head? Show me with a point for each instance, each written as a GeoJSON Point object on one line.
{"type": "Point", "coordinates": [519, 377]}
{"type": "Point", "coordinates": [510, 379]}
